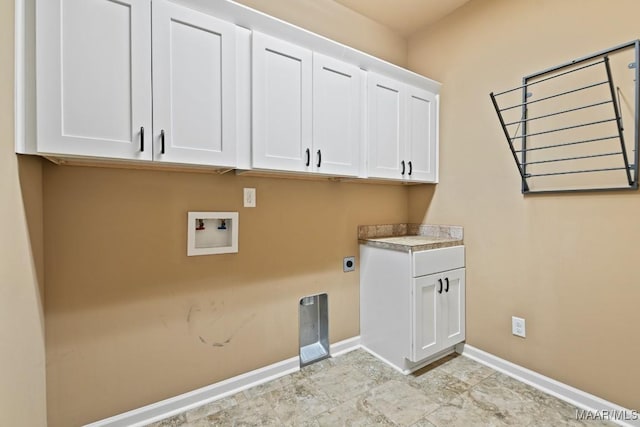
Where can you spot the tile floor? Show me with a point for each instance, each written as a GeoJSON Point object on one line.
{"type": "Point", "coordinates": [356, 389]}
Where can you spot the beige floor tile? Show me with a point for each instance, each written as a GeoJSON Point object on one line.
{"type": "Point", "coordinates": [254, 412]}
{"type": "Point", "coordinates": [399, 402]}
{"type": "Point", "coordinates": [438, 385]}
{"type": "Point", "coordinates": [517, 408]}
{"type": "Point", "coordinates": [298, 402]}
{"type": "Point", "coordinates": [342, 383]}
{"type": "Point", "coordinates": [467, 370]}
{"type": "Point", "coordinates": [464, 412]}
{"type": "Point", "coordinates": [352, 413]}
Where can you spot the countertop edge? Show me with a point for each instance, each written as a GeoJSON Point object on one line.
{"type": "Point", "coordinates": [407, 248]}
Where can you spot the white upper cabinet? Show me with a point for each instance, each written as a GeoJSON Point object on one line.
{"type": "Point", "coordinates": [307, 110]}
{"type": "Point", "coordinates": [93, 78]}
{"type": "Point", "coordinates": [282, 132]}
{"type": "Point", "coordinates": [177, 81]}
{"type": "Point", "coordinates": [421, 149]}
{"type": "Point", "coordinates": [402, 132]}
{"type": "Point", "coordinates": [194, 85]}
{"type": "Point", "coordinates": [337, 121]}
{"type": "Point", "coordinates": [386, 128]}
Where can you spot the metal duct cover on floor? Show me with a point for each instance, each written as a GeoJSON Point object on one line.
{"type": "Point", "coordinates": [314, 329]}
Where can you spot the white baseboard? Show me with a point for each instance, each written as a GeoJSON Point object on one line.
{"type": "Point", "coordinates": [572, 395]}
{"type": "Point", "coordinates": [184, 402]}
{"type": "Point", "coordinates": [411, 367]}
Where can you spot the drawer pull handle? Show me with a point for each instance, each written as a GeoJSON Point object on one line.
{"type": "Point", "coordinates": [440, 290]}
{"type": "Point", "coordinates": [446, 279]}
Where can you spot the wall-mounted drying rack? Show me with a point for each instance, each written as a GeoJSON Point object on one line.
{"type": "Point", "coordinates": [565, 125]}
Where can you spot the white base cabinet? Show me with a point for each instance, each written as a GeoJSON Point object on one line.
{"type": "Point", "coordinates": [412, 305]}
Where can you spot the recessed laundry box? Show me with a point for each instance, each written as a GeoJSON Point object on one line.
{"type": "Point", "coordinates": [210, 233]}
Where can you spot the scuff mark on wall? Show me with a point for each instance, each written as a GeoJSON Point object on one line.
{"type": "Point", "coordinates": [191, 310]}
{"type": "Point", "coordinates": [235, 332]}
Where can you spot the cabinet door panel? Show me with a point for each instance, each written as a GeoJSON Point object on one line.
{"type": "Point", "coordinates": [421, 149]}
{"type": "Point", "coordinates": [425, 317]}
{"type": "Point", "coordinates": [386, 127]}
{"type": "Point", "coordinates": [193, 86]}
{"type": "Point", "coordinates": [281, 104]}
{"type": "Point", "coordinates": [453, 308]}
{"type": "Point", "coordinates": [94, 77]}
{"type": "Point", "coordinates": [337, 106]}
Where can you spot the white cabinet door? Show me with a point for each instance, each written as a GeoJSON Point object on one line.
{"type": "Point", "coordinates": [282, 91]}
{"type": "Point", "coordinates": [453, 308]}
{"type": "Point", "coordinates": [427, 292]}
{"type": "Point", "coordinates": [94, 78]}
{"type": "Point", "coordinates": [193, 87]}
{"type": "Point", "coordinates": [337, 108]}
{"type": "Point", "coordinates": [386, 127]}
{"type": "Point", "coordinates": [421, 144]}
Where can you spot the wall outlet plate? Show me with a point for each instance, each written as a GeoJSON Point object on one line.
{"type": "Point", "coordinates": [349, 264]}
{"type": "Point", "coordinates": [249, 197]}
{"type": "Point", "coordinates": [518, 327]}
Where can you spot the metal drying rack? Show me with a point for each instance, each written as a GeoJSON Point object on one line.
{"type": "Point", "coordinates": [522, 148]}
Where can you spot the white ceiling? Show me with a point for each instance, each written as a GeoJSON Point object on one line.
{"type": "Point", "coordinates": [404, 16]}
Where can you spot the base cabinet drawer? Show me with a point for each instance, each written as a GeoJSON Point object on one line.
{"type": "Point", "coordinates": [437, 260]}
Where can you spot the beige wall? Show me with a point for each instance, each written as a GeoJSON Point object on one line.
{"type": "Point", "coordinates": [22, 367]}
{"type": "Point", "coordinates": [566, 263]}
{"type": "Point", "coordinates": [337, 22]}
{"type": "Point", "coordinates": [132, 320]}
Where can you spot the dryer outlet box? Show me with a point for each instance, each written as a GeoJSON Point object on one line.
{"type": "Point", "coordinates": [349, 264]}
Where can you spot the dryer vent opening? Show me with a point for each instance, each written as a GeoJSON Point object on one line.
{"type": "Point", "coordinates": [314, 329]}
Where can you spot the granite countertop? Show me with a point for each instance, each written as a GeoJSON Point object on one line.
{"type": "Point", "coordinates": [410, 237]}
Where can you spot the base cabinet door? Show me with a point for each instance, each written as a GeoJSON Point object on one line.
{"type": "Point", "coordinates": [453, 308]}
{"type": "Point", "coordinates": [94, 78]}
{"type": "Point", "coordinates": [438, 313]}
{"type": "Point", "coordinates": [426, 313]}
{"type": "Point", "coordinates": [193, 87]}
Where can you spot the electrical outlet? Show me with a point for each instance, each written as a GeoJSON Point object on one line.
{"type": "Point", "coordinates": [518, 327]}
{"type": "Point", "coordinates": [249, 197]}
{"type": "Point", "coordinates": [349, 263]}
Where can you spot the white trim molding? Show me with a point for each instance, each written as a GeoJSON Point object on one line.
{"type": "Point", "coordinates": [572, 395]}
{"type": "Point", "coordinates": [190, 400]}
{"type": "Point", "coordinates": [19, 72]}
